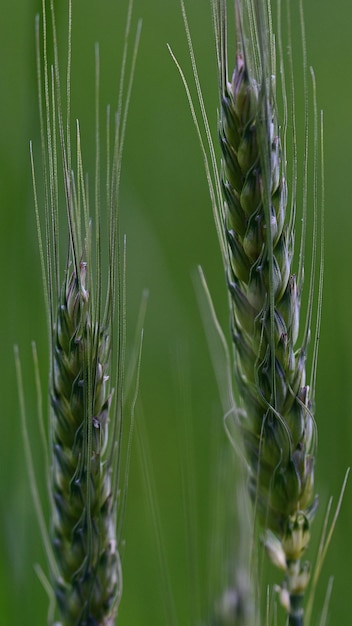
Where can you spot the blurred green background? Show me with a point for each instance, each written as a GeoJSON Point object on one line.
{"type": "Point", "coordinates": [166, 214]}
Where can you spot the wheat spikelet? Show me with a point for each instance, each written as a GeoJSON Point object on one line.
{"type": "Point", "coordinates": [86, 312]}
{"type": "Point", "coordinates": [278, 429]}
{"type": "Point", "coordinates": [277, 425]}
{"type": "Point", "coordinates": [254, 210]}
{"type": "Point", "coordinates": [85, 508]}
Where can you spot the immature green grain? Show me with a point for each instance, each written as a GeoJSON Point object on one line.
{"type": "Point", "coordinates": [270, 422]}
{"type": "Point", "coordinates": [86, 310]}
{"type": "Point", "coordinates": [85, 508]}
{"type": "Point", "coordinates": [276, 421]}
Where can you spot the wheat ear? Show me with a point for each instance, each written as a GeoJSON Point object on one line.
{"type": "Point", "coordinates": [88, 417]}
{"type": "Point", "coordinates": [277, 425]}
{"type": "Point", "coordinates": [254, 211]}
